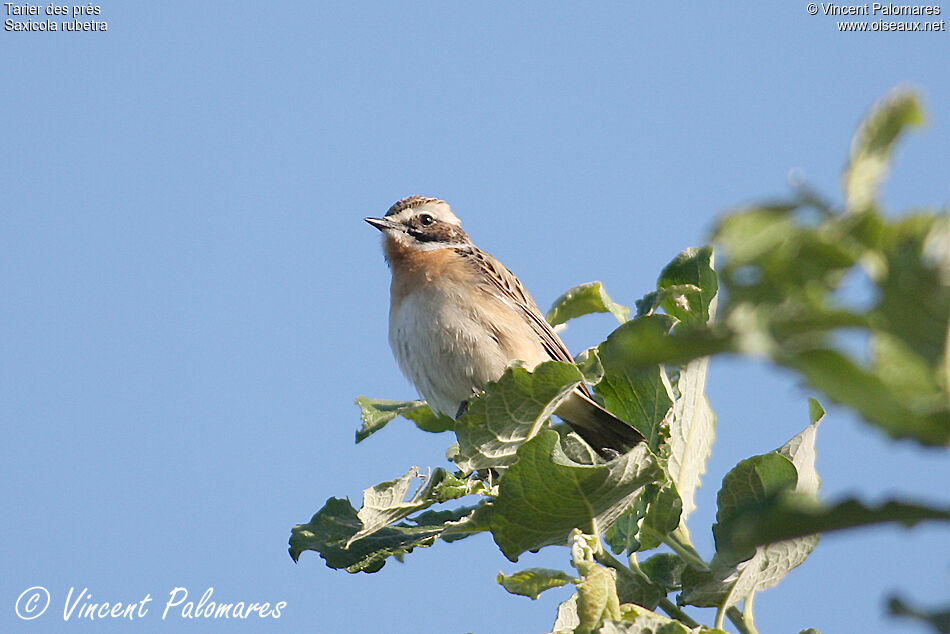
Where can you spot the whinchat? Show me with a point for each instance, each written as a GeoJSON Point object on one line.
{"type": "Point", "coordinates": [458, 318]}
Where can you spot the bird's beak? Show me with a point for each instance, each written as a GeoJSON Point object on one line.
{"type": "Point", "coordinates": [381, 223]}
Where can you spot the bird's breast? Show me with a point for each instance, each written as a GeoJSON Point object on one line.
{"type": "Point", "coordinates": [451, 340]}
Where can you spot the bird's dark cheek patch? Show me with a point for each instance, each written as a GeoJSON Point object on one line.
{"type": "Point", "coordinates": [433, 233]}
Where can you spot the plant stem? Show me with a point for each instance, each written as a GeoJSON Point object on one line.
{"type": "Point", "coordinates": [686, 552]}
{"type": "Point", "coordinates": [674, 611]}
{"type": "Point", "coordinates": [605, 558]}
{"type": "Point", "coordinates": [747, 613]}
{"type": "Point", "coordinates": [720, 614]}
{"type": "Point", "coordinates": [736, 617]}
{"type": "Point", "coordinates": [634, 572]}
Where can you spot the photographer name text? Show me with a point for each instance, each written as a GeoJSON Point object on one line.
{"type": "Point", "coordinates": [79, 604]}
{"type": "Point", "coordinates": [878, 8]}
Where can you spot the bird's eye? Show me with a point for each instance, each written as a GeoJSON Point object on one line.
{"type": "Point", "coordinates": [426, 220]}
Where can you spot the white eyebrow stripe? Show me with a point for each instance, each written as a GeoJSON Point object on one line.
{"type": "Point", "coordinates": [435, 244]}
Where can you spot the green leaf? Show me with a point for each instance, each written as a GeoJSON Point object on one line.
{"type": "Point", "coordinates": [774, 260]}
{"type": "Point", "coordinates": [800, 452]}
{"type": "Point", "coordinates": [662, 517]}
{"type": "Point", "coordinates": [692, 428]}
{"type": "Point", "coordinates": [636, 392]}
{"type": "Point", "coordinates": [905, 372]}
{"type": "Point", "coordinates": [332, 527]}
{"type": "Point", "coordinates": [461, 524]}
{"type": "Point", "coordinates": [872, 145]}
{"type": "Point", "coordinates": [597, 600]}
{"type": "Point", "coordinates": [725, 586]}
{"type": "Point", "coordinates": [914, 298]}
{"type": "Point", "coordinates": [582, 300]}
{"type": "Point", "coordinates": [791, 516]}
{"type": "Point", "coordinates": [642, 588]}
{"type": "Point", "coordinates": [511, 411]}
{"type": "Point", "coordinates": [644, 342]}
{"type": "Point", "coordinates": [646, 523]}
{"type": "Point", "coordinates": [792, 274]}
{"type": "Point", "coordinates": [633, 620]}
{"type": "Point", "coordinates": [939, 620]}
{"type": "Point", "coordinates": [577, 449]}
{"type": "Point", "coordinates": [692, 432]}
{"type": "Point", "coordinates": [692, 278]}
{"type": "Point", "coordinates": [649, 303]}
{"type": "Point", "coordinates": [375, 413]}
{"type": "Point", "coordinates": [624, 534]}
{"type": "Point", "coordinates": [545, 495]}
{"type": "Point", "coordinates": [567, 619]}
{"type": "Point", "coordinates": [738, 572]}
{"type": "Point", "coordinates": [750, 235]}
{"type": "Point", "coordinates": [754, 484]}
{"type": "Point", "coordinates": [638, 620]}
{"type": "Point", "coordinates": [844, 381]}
{"type": "Point", "coordinates": [665, 570]}
{"type": "Point", "coordinates": [636, 589]}
{"type": "Point", "coordinates": [456, 524]}
{"type": "Point", "coordinates": [588, 362]}
{"type": "Point", "coordinates": [386, 503]}
{"type": "Point", "coordinates": [533, 581]}
{"type": "Point", "coordinates": [751, 483]}
{"type": "Point", "coordinates": [361, 542]}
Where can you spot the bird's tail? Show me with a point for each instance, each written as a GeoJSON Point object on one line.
{"type": "Point", "coordinates": [599, 428]}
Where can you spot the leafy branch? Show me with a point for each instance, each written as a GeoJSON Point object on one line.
{"type": "Point", "coordinates": [790, 272]}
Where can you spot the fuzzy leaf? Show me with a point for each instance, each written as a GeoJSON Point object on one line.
{"type": "Point", "coordinates": [545, 495]}
{"type": "Point", "coordinates": [662, 517]}
{"type": "Point", "coordinates": [844, 381]}
{"type": "Point", "coordinates": [692, 428]}
{"type": "Point", "coordinates": [791, 516]}
{"type": "Point", "coordinates": [692, 432]}
{"type": "Point", "coordinates": [750, 483]}
{"type": "Point", "coordinates": [567, 619]}
{"type": "Point", "coordinates": [511, 411]}
{"type": "Point", "coordinates": [588, 362]}
{"type": "Point", "coordinates": [597, 600]}
{"type": "Point", "coordinates": [361, 542]}
{"type": "Point", "coordinates": [332, 527]}
{"type": "Point", "coordinates": [375, 413]}
{"type": "Point", "coordinates": [638, 620]}
{"type": "Point", "coordinates": [636, 589]}
{"type": "Point", "coordinates": [386, 503]}
{"type": "Point", "coordinates": [939, 619]}
{"type": "Point", "coordinates": [636, 393]}
{"type": "Point", "coordinates": [914, 296]}
{"type": "Point", "coordinates": [738, 571]}
{"type": "Point", "coordinates": [624, 534]}
{"type": "Point", "coordinates": [584, 299]}
{"type": "Point", "coordinates": [531, 582]}
{"type": "Point", "coordinates": [663, 573]}
{"type": "Point", "coordinates": [665, 570]}
{"type": "Point", "coordinates": [872, 145]}
{"type": "Point", "coordinates": [692, 271]}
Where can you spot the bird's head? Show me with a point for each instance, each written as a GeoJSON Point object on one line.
{"type": "Point", "coordinates": [420, 223]}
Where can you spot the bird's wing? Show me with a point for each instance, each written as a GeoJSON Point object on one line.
{"type": "Point", "coordinates": [502, 283]}
{"type": "Point", "coordinates": [599, 427]}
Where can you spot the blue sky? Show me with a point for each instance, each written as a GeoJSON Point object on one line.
{"type": "Point", "coordinates": [192, 300]}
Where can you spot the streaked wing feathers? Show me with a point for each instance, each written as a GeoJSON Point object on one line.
{"type": "Point", "coordinates": [503, 284]}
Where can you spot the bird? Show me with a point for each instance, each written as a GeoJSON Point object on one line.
{"type": "Point", "coordinates": [458, 318]}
